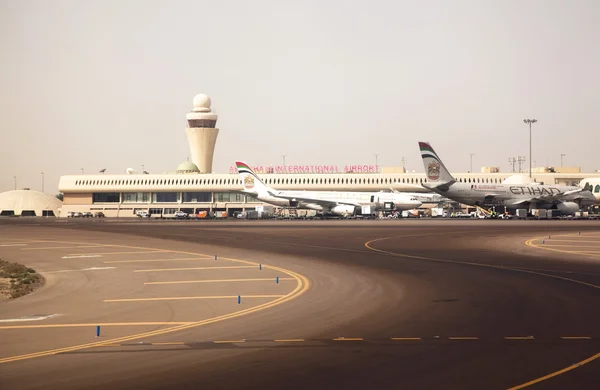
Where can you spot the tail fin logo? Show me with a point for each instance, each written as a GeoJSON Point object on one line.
{"type": "Point", "coordinates": [248, 182]}
{"type": "Point", "coordinates": [433, 171]}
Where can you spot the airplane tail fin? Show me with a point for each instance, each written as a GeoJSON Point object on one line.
{"type": "Point", "coordinates": [250, 181]}
{"type": "Point", "coordinates": [434, 167]}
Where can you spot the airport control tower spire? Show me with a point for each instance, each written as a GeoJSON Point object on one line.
{"type": "Point", "coordinates": [202, 133]}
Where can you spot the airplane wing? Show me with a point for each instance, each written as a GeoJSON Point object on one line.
{"type": "Point", "coordinates": [320, 202]}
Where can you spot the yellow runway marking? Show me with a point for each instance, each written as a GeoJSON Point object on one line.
{"type": "Point", "coordinates": [576, 337]}
{"type": "Point", "coordinates": [302, 286]}
{"type": "Point", "coordinates": [368, 245]}
{"type": "Point", "coordinates": [573, 241]}
{"type": "Point", "coordinates": [536, 243]}
{"type": "Point", "coordinates": [528, 243]}
{"type": "Point", "coordinates": [547, 244]}
{"type": "Point", "coordinates": [62, 247]}
{"type": "Point", "coordinates": [221, 281]}
{"type": "Point", "coordinates": [171, 343]}
{"type": "Point", "coordinates": [463, 338]}
{"type": "Point", "coordinates": [154, 260]}
{"type": "Point", "coordinates": [289, 340]}
{"type": "Point", "coordinates": [348, 339]}
{"type": "Point", "coordinates": [195, 268]}
{"type": "Point", "coordinates": [571, 367]}
{"type": "Point", "coordinates": [188, 298]}
{"type": "Point", "coordinates": [228, 341]}
{"type": "Point", "coordinates": [93, 325]}
{"type": "Point", "coordinates": [405, 338]}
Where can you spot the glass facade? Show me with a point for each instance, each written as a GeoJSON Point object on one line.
{"type": "Point", "coordinates": [136, 197]}
{"type": "Point", "coordinates": [252, 199]}
{"type": "Point", "coordinates": [197, 197]}
{"type": "Point", "coordinates": [229, 197]}
{"type": "Point", "coordinates": [165, 197]}
{"type": "Point", "coordinates": [106, 197]}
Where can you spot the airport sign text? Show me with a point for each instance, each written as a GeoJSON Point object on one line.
{"type": "Point", "coordinates": [280, 169]}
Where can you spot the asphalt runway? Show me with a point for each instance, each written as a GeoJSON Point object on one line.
{"type": "Point", "coordinates": [409, 304]}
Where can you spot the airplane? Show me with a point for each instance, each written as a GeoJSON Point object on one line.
{"type": "Point", "coordinates": [425, 198]}
{"type": "Point", "coordinates": [567, 199]}
{"type": "Point", "coordinates": [329, 202]}
{"type": "Point", "coordinates": [592, 185]}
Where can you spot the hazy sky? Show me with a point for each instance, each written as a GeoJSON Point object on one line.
{"type": "Point", "coordinates": [107, 84]}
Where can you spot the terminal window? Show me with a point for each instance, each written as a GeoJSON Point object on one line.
{"type": "Point", "coordinates": [165, 197]}
{"type": "Point", "coordinates": [191, 197]}
{"type": "Point", "coordinates": [134, 197]}
{"type": "Point", "coordinates": [106, 197]}
{"type": "Point", "coordinates": [229, 197]}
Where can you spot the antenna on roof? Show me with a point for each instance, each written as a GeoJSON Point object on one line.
{"type": "Point", "coordinates": [102, 170]}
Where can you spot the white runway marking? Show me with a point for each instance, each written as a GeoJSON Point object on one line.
{"type": "Point", "coordinates": [78, 256]}
{"type": "Point", "coordinates": [35, 317]}
{"type": "Point", "coordinates": [13, 244]}
{"type": "Point", "coordinates": [84, 269]}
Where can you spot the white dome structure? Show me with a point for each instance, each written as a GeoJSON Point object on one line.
{"type": "Point", "coordinates": [28, 203]}
{"type": "Point", "coordinates": [201, 103]}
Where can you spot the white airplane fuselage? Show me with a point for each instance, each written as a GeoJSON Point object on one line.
{"type": "Point", "coordinates": [306, 199]}
{"type": "Point", "coordinates": [594, 187]}
{"type": "Point", "coordinates": [511, 196]}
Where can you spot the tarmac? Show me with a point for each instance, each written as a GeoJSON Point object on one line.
{"type": "Point", "coordinates": [411, 304]}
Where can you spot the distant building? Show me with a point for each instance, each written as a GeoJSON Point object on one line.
{"type": "Point", "coordinates": [490, 169]}
{"type": "Point", "coordinates": [193, 189]}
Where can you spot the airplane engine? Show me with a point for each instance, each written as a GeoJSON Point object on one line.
{"type": "Point", "coordinates": [293, 203]}
{"type": "Point", "coordinates": [568, 207]}
{"type": "Point", "coordinates": [343, 210]}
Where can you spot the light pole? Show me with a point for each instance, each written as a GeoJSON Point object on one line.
{"type": "Point", "coordinates": [376, 162]}
{"type": "Point", "coordinates": [142, 168]}
{"type": "Point", "coordinates": [283, 156]}
{"type": "Point", "coordinates": [42, 181]}
{"type": "Point", "coordinates": [82, 171]}
{"type": "Point", "coordinates": [471, 154]}
{"type": "Point", "coordinates": [14, 177]}
{"type": "Point", "coordinates": [530, 122]}
{"type": "Point", "coordinates": [561, 159]}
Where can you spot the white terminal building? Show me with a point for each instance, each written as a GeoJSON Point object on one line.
{"type": "Point", "coordinates": [194, 189]}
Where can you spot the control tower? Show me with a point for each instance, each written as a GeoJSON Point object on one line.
{"type": "Point", "coordinates": [202, 133]}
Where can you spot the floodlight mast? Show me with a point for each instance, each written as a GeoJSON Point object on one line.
{"type": "Point", "coordinates": [530, 122]}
